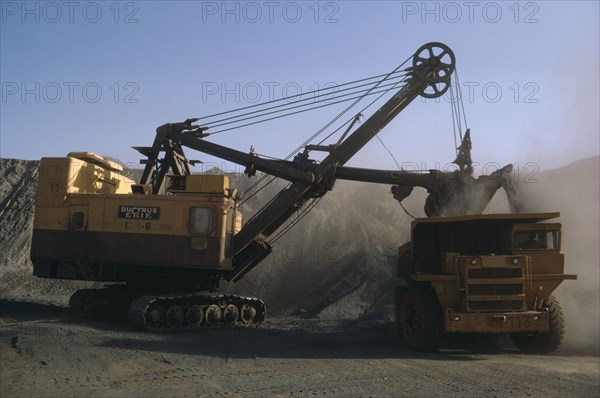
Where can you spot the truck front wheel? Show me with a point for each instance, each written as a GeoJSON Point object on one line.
{"type": "Point", "coordinates": [422, 320]}
{"type": "Point", "coordinates": [543, 343]}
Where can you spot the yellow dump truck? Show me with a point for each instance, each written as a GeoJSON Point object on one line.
{"type": "Point", "coordinates": [492, 273]}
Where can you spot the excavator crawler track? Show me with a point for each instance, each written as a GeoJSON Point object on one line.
{"type": "Point", "coordinates": [180, 313]}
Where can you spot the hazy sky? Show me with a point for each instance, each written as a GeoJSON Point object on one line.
{"type": "Point", "coordinates": [101, 76]}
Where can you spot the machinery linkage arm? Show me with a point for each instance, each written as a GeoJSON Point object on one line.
{"type": "Point", "coordinates": [450, 192]}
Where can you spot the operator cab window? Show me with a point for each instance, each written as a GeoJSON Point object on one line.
{"type": "Point", "coordinates": [201, 221]}
{"type": "Point", "coordinates": [536, 240]}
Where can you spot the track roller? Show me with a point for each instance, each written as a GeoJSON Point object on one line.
{"type": "Point", "coordinates": [195, 311]}
{"type": "Point", "coordinates": [248, 314]}
{"type": "Point", "coordinates": [213, 314]}
{"type": "Point", "coordinates": [231, 314]}
{"type": "Point", "coordinates": [194, 315]}
{"type": "Point", "coordinates": [174, 316]}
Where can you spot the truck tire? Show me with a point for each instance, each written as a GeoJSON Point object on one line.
{"type": "Point", "coordinates": [543, 343]}
{"type": "Point", "coordinates": [421, 321]}
{"type": "Point", "coordinates": [400, 292]}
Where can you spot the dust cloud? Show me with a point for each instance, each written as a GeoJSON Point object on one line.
{"type": "Point", "coordinates": [573, 190]}
{"type": "Point", "coordinates": [339, 261]}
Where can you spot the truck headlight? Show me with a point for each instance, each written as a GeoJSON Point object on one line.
{"type": "Point", "coordinates": [515, 260]}
{"type": "Point", "coordinates": [473, 261]}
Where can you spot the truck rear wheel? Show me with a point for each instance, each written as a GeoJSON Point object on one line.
{"type": "Point", "coordinates": [421, 321]}
{"type": "Point", "coordinates": [400, 292]}
{"type": "Point", "coordinates": [543, 343]}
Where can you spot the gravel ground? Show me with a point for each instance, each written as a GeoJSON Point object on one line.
{"type": "Point", "coordinates": [49, 351]}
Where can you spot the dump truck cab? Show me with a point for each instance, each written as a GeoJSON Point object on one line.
{"type": "Point", "coordinates": [490, 273]}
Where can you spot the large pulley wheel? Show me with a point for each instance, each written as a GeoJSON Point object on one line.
{"type": "Point", "coordinates": [434, 63]}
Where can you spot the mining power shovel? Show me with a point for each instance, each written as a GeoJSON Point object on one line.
{"type": "Point", "coordinates": [174, 235]}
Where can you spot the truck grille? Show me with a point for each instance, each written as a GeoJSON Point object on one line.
{"type": "Point", "coordinates": [495, 289]}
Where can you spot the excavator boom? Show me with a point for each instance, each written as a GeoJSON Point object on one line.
{"type": "Point", "coordinates": [429, 76]}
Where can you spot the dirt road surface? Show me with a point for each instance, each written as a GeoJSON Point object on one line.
{"type": "Point", "coordinates": [50, 351]}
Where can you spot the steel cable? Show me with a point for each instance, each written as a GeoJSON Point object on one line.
{"type": "Point", "coordinates": [294, 96]}
{"type": "Point", "coordinates": [324, 96]}
{"type": "Point", "coordinates": [320, 131]}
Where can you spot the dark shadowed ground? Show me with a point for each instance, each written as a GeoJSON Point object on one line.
{"type": "Point", "coordinates": [284, 357]}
